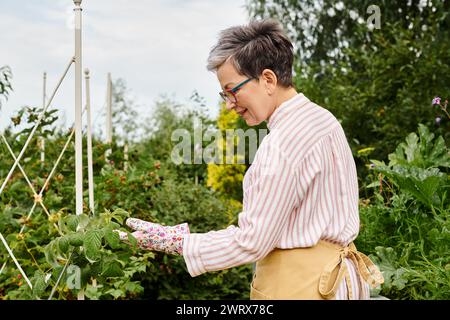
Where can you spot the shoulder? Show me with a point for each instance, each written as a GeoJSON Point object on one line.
{"type": "Point", "coordinates": [301, 130]}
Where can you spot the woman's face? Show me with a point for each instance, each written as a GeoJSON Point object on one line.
{"type": "Point", "coordinates": [254, 103]}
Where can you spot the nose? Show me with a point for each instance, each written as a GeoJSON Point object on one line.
{"type": "Point", "coordinates": [230, 105]}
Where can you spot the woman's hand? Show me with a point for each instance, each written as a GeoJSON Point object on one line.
{"type": "Point", "coordinates": [153, 236]}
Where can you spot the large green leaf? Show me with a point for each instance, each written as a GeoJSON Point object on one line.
{"type": "Point", "coordinates": [63, 244]}
{"type": "Point", "coordinates": [387, 261]}
{"type": "Point", "coordinates": [421, 183]}
{"type": "Point", "coordinates": [112, 238]}
{"type": "Point", "coordinates": [134, 287]}
{"type": "Point", "coordinates": [39, 283]}
{"type": "Point", "coordinates": [77, 222]}
{"type": "Point", "coordinates": [93, 293]}
{"type": "Point", "coordinates": [111, 268]}
{"type": "Point", "coordinates": [92, 243]}
{"type": "Point", "coordinates": [119, 215]}
{"type": "Point", "coordinates": [421, 151]}
{"type": "Point", "coordinates": [75, 239]}
{"type": "Point", "coordinates": [51, 253]}
{"type": "Point", "coordinates": [116, 293]}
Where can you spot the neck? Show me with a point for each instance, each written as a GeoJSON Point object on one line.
{"type": "Point", "coordinates": [283, 96]}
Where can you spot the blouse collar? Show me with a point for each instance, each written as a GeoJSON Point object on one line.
{"type": "Point", "coordinates": [284, 108]}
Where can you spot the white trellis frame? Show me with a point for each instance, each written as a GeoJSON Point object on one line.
{"type": "Point", "coordinates": [41, 141]}
{"type": "Point", "coordinates": [77, 130]}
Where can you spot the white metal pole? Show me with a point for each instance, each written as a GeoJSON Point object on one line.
{"type": "Point", "coordinates": [44, 90]}
{"type": "Point", "coordinates": [42, 147]}
{"type": "Point", "coordinates": [89, 143]}
{"type": "Point", "coordinates": [78, 112]}
{"type": "Point", "coordinates": [78, 119]}
{"type": "Point", "coordinates": [42, 140]}
{"type": "Point", "coordinates": [125, 157]}
{"type": "Point", "coordinates": [108, 115]}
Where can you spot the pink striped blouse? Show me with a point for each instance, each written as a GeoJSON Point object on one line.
{"type": "Point", "coordinates": [301, 187]}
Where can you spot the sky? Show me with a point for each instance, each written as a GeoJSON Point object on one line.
{"type": "Point", "coordinates": [157, 47]}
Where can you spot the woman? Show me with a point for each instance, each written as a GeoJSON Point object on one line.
{"type": "Point", "coordinates": [300, 206]}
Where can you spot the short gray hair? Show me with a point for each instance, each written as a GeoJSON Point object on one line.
{"type": "Point", "coordinates": [262, 44]}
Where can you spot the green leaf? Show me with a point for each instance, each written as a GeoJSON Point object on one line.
{"type": "Point", "coordinates": [387, 261]}
{"type": "Point", "coordinates": [374, 184]}
{"type": "Point", "coordinates": [398, 279]}
{"type": "Point", "coordinates": [119, 215]}
{"type": "Point", "coordinates": [75, 239]}
{"type": "Point", "coordinates": [116, 293]}
{"type": "Point", "coordinates": [134, 287]}
{"type": "Point", "coordinates": [39, 283]}
{"type": "Point", "coordinates": [112, 269]}
{"type": "Point", "coordinates": [53, 200]}
{"type": "Point", "coordinates": [420, 183]}
{"type": "Point", "coordinates": [92, 292]}
{"type": "Point", "coordinates": [63, 244]}
{"type": "Point", "coordinates": [92, 243]}
{"type": "Point", "coordinates": [439, 153]}
{"type": "Point", "coordinates": [83, 221]}
{"type": "Point", "coordinates": [133, 241]}
{"type": "Point", "coordinates": [112, 238]}
{"type": "Point", "coordinates": [420, 151]}
{"type": "Point", "coordinates": [77, 222]}
{"type": "Point", "coordinates": [72, 222]}
{"type": "Point", "coordinates": [51, 252]}
{"type": "Point", "coordinates": [114, 225]}
{"type": "Point", "coordinates": [411, 147]}
{"type": "Point", "coordinates": [17, 186]}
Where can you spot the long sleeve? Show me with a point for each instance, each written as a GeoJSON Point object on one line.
{"type": "Point", "coordinates": [268, 200]}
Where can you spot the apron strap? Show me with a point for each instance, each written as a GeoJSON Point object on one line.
{"type": "Point", "coordinates": [366, 268]}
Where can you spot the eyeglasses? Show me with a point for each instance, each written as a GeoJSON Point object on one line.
{"type": "Point", "coordinates": [230, 94]}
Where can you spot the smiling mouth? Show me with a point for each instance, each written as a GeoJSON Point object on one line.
{"type": "Point", "coordinates": [242, 112]}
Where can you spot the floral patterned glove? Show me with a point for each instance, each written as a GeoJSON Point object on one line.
{"type": "Point", "coordinates": [153, 236]}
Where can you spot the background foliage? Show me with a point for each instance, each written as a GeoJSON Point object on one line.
{"type": "Point", "coordinates": [152, 188]}
{"type": "Point", "coordinates": [378, 82]}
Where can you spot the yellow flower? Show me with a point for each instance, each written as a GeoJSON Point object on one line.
{"type": "Point", "coordinates": [365, 151]}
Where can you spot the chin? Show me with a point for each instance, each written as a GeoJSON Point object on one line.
{"type": "Point", "coordinates": [252, 122]}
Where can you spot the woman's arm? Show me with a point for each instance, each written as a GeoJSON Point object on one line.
{"type": "Point", "coordinates": [271, 197]}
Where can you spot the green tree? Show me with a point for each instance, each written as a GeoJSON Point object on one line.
{"type": "Point", "coordinates": [227, 177]}
{"type": "Point", "coordinates": [169, 116]}
{"type": "Point", "coordinates": [322, 29]}
{"type": "Point", "coordinates": [5, 83]}
{"type": "Point", "coordinates": [378, 82]}
{"type": "Point", "coordinates": [125, 115]}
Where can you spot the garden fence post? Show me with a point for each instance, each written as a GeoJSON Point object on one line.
{"type": "Point", "coordinates": [89, 143]}
{"type": "Point", "coordinates": [108, 115]}
{"type": "Point", "coordinates": [78, 119]}
{"type": "Point", "coordinates": [42, 140]}
{"type": "Point", "coordinates": [78, 112]}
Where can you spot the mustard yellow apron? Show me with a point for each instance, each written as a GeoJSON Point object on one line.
{"type": "Point", "coordinates": [310, 273]}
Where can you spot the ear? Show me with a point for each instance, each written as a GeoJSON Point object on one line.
{"type": "Point", "coordinates": [270, 80]}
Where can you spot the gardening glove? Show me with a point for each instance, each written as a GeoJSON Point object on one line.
{"type": "Point", "coordinates": [153, 236]}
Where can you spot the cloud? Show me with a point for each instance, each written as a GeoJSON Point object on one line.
{"type": "Point", "coordinates": [158, 47]}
